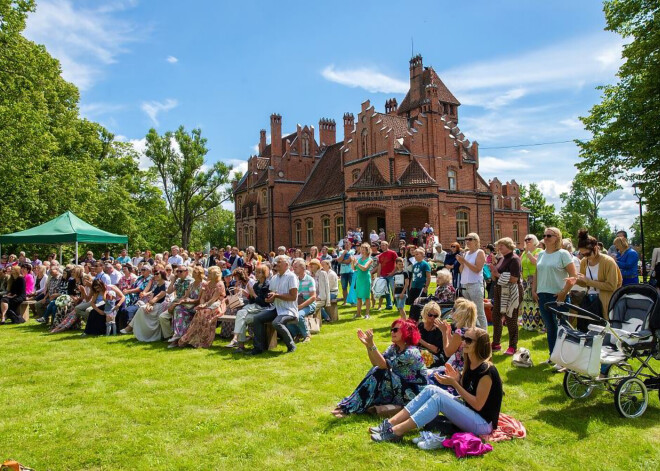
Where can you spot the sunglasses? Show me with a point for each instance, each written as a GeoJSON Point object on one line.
{"type": "Point", "coordinates": [548, 236]}
{"type": "Point", "coordinates": [394, 330]}
{"type": "Point", "coordinates": [528, 239]}
{"type": "Point", "coordinates": [433, 316]}
{"type": "Point", "coordinates": [469, 239]}
{"type": "Point", "coordinates": [467, 340]}
{"type": "Point", "coordinates": [179, 271]}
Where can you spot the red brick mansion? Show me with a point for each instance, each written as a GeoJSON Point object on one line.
{"type": "Point", "coordinates": [400, 168]}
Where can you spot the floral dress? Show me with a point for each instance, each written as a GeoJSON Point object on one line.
{"type": "Point", "coordinates": [201, 332]}
{"type": "Point", "coordinates": [183, 313]}
{"type": "Point", "coordinates": [398, 384]}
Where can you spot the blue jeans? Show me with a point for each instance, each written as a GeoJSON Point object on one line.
{"type": "Point", "coordinates": [550, 318]}
{"type": "Point", "coordinates": [301, 326]}
{"type": "Point", "coordinates": [433, 401]}
{"type": "Point", "coordinates": [390, 290]}
{"type": "Point", "coordinates": [346, 283]}
{"type": "Point", "coordinates": [400, 302]}
{"type": "Point", "coordinates": [51, 309]}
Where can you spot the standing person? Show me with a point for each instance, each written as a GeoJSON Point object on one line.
{"type": "Point", "coordinates": [11, 301]}
{"type": "Point", "coordinates": [553, 268]}
{"type": "Point", "coordinates": [628, 261]}
{"type": "Point", "coordinates": [529, 307]}
{"type": "Point", "coordinates": [507, 296]}
{"type": "Point", "coordinates": [472, 276]}
{"type": "Point", "coordinates": [451, 264]}
{"type": "Point", "coordinates": [123, 257]}
{"type": "Point", "coordinates": [401, 287]}
{"type": "Point", "coordinates": [430, 243]}
{"type": "Point", "coordinates": [284, 296]}
{"type": "Point", "coordinates": [362, 266]}
{"type": "Point", "coordinates": [420, 278]}
{"type": "Point", "coordinates": [387, 267]}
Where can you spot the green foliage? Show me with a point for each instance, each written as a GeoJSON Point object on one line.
{"type": "Point", "coordinates": [216, 227]}
{"type": "Point", "coordinates": [581, 205]}
{"type": "Point", "coordinates": [626, 124]}
{"type": "Point", "coordinates": [190, 191]}
{"type": "Point", "coordinates": [542, 214]}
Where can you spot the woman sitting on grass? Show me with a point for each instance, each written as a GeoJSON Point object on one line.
{"type": "Point", "coordinates": [431, 343]}
{"type": "Point", "coordinates": [476, 409]}
{"type": "Point", "coordinates": [397, 376]}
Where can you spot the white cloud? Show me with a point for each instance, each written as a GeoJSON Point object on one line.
{"type": "Point", "coordinates": [498, 166]}
{"type": "Point", "coordinates": [370, 79]}
{"type": "Point", "coordinates": [92, 110]}
{"type": "Point", "coordinates": [566, 65]}
{"type": "Point", "coordinates": [140, 146]}
{"type": "Point", "coordinates": [154, 108]}
{"type": "Point", "coordinates": [172, 59]}
{"type": "Point", "coordinates": [84, 39]}
{"type": "Point", "coordinates": [572, 123]}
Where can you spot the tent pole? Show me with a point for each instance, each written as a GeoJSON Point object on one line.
{"type": "Point", "coordinates": [76, 252]}
{"type": "Point", "coordinates": [1, 251]}
{"type": "Point", "coordinates": [60, 254]}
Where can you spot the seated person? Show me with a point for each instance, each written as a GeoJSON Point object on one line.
{"type": "Point", "coordinates": [431, 344]}
{"type": "Point", "coordinates": [444, 294]}
{"type": "Point", "coordinates": [397, 376]}
{"type": "Point", "coordinates": [10, 302]}
{"type": "Point", "coordinates": [306, 301]}
{"type": "Point", "coordinates": [245, 315]}
{"type": "Point", "coordinates": [475, 410]}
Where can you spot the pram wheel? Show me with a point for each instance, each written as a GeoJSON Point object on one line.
{"type": "Point", "coordinates": [631, 398]}
{"type": "Point", "coordinates": [576, 386]}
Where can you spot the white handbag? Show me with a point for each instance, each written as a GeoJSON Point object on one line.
{"type": "Point", "coordinates": [578, 351]}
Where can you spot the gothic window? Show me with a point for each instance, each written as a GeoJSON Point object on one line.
{"type": "Point", "coordinates": [462, 224]}
{"type": "Point", "coordinates": [251, 238]}
{"type": "Point", "coordinates": [310, 232]}
{"type": "Point", "coordinates": [356, 174]}
{"type": "Point", "coordinates": [515, 232]}
{"type": "Point", "coordinates": [264, 199]}
{"type": "Point", "coordinates": [451, 177]}
{"type": "Point", "coordinates": [339, 228]}
{"type": "Point", "coordinates": [498, 231]}
{"type": "Point", "coordinates": [246, 236]}
{"type": "Point", "coordinates": [363, 144]}
{"type": "Point", "coordinates": [325, 223]}
{"type": "Point", "coordinates": [298, 234]}
{"type": "Point", "coordinates": [305, 145]}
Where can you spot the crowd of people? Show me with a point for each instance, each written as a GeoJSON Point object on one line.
{"type": "Point", "coordinates": [431, 366]}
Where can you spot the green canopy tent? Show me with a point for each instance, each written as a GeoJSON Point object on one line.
{"type": "Point", "coordinates": [64, 229]}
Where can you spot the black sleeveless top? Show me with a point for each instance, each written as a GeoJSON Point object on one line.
{"type": "Point", "coordinates": [491, 409]}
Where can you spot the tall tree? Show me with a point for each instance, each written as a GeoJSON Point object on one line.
{"type": "Point", "coordinates": [190, 190]}
{"type": "Point", "coordinates": [542, 214]}
{"type": "Point", "coordinates": [216, 227]}
{"type": "Point", "coordinates": [626, 125]}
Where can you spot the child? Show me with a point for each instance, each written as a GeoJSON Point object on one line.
{"type": "Point", "coordinates": [110, 310]}
{"type": "Point", "coordinates": [401, 284]}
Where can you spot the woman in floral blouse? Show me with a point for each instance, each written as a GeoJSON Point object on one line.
{"type": "Point", "coordinates": [397, 376]}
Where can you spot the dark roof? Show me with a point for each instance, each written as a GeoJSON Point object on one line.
{"type": "Point", "coordinates": [428, 76]}
{"type": "Point", "coordinates": [326, 179]}
{"type": "Point", "coordinates": [242, 184]}
{"type": "Point", "coordinates": [416, 174]}
{"type": "Point", "coordinates": [370, 177]}
{"type": "Point", "coordinates": [399, 124]}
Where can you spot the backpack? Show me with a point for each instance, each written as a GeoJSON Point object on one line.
{"type": "Point", "coordinates": [380, 287]}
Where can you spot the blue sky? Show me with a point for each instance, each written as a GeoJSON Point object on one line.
{"type": "Point", "coordinates": [523, 70]}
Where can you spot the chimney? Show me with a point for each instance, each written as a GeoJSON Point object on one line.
{"type": "Point", "coordinates": [349, 124]}
{"type": "Point", "coordinates": [262, 141]}
{"type": "Point", "coordinates": [327, 132]}
{"type": "Point", "coordinates": [276, 135]}
{"type": "Point", "coordinates": [416, 73]}
{"type": "Point", "coordinates": [391, 106]}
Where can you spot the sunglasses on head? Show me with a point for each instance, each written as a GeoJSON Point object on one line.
{"type": "Point", "coordinates": [467, 340]}
{"type": "Point", "coordinates": [394, 330]}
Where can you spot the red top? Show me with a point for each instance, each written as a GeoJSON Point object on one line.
{"type": "Point", "coordinates": [387, 261]}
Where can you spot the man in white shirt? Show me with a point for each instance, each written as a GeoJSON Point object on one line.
{"type": "Point", "coordinates": [175, 258]}
{"type": "Point", "coordinates": [135, 261]}
{"type": "Point", "coordinates": [284, 296]}
{"type": "Point", "coordinates": [114, 274]}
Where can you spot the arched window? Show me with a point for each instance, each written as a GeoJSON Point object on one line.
{"type": "Point", "coordinates": [246, 236]}
{"type": "Point", "coordinates": [305, 145]}
{"type": "Point", "coordinates": [451, 177]}
{"type": "Point", "coordinates": [339, 228]}
{"type": "Point", "coordinates": [363, 143]}
{"type": "Point", "coordinates": [462, 224]}
{"type": "Point", "coordinates": [310, 232]}
{"type": "Point", "coordinates": [325, 223]}
{"type": "Point", "coordinates": [515, 232]}
{"type": "Point", "coordinates": [498, 231]}
{"type": "Point", "coordinates": [356, 174]}
{"type": "Point", "coordinates": [298, 234]}
{"type": "Point", "coordinates": [264, 199]}
{"type": "Point", "coordinates": [251, 238]}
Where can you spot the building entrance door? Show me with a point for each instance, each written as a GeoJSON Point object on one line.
{"type": "Point", "coordinates": [371, 220]}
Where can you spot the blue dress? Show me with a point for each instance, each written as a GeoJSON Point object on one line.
{"type": "Point", "coordinates": [398, 384]}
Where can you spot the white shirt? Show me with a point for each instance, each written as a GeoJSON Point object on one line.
{"type": "Point", "coordinates": [374, 237]}
{"type": "Point", "coordinates": [115, 276]}
{"type": "Point", "coordinates": [135, 261]}
{"type": "Point", "coordinates": [469, 276]}
{"type": "Point", "coordinates": [282, 284]}
{"type": "Point", "coordinates": [592, 274]}
{"type": "Point", "coordinates": [175, 260]}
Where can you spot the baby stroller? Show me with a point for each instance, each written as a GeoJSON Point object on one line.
{"type": "Point", "coordinates": [613, 355]}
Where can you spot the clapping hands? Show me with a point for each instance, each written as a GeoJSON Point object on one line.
{"type": "Point", "coordinates": [450, 378]}
{"type": "Point", "coordinates": [367, 338]}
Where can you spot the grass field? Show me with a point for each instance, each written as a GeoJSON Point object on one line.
{"type": "Point", "coordinates": [72, 403]}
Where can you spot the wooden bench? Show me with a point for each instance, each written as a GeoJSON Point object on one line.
{"type": "Point", "coordinates": [333, 311]}
{"type": "Point", "coordinates": [25, 307]}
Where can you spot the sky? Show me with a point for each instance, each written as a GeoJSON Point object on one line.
{"type": "Point", "coordinates": [524, 71]}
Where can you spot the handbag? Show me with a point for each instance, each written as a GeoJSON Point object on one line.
{"type": "Point", "coordinates": [313, 324]}
{"type": "Point", "coordinates": [234, 301]}
{"type": "Point", "coordinates": [578, 351]}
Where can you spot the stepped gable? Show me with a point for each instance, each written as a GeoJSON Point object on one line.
{"type": "Point", "coordinates": [428, 76]}
{"type": "Point", "coordinates": [326, 180]}
{"type": "Point", "coordinates": [399, 124]}
{"type": "Point", "coordinates": [370, 177]}
{"type": "Point", "coordinates": [416, 174]}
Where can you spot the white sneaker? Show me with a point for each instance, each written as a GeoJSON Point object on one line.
{"type": "Point", "coordinates": [173, 339]}
{"type": "Point", "coordinates": [124, 331]}
{"type": "Point", "coordinates": [432, 442]}
{"type": "Point", "coordinates": [422, 436]}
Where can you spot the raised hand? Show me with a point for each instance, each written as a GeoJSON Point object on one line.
{"type": "Point", "coordinates": [362, 337]}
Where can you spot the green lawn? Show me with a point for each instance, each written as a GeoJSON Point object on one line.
{"type": "Point", "coordinates": [72, 403]}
